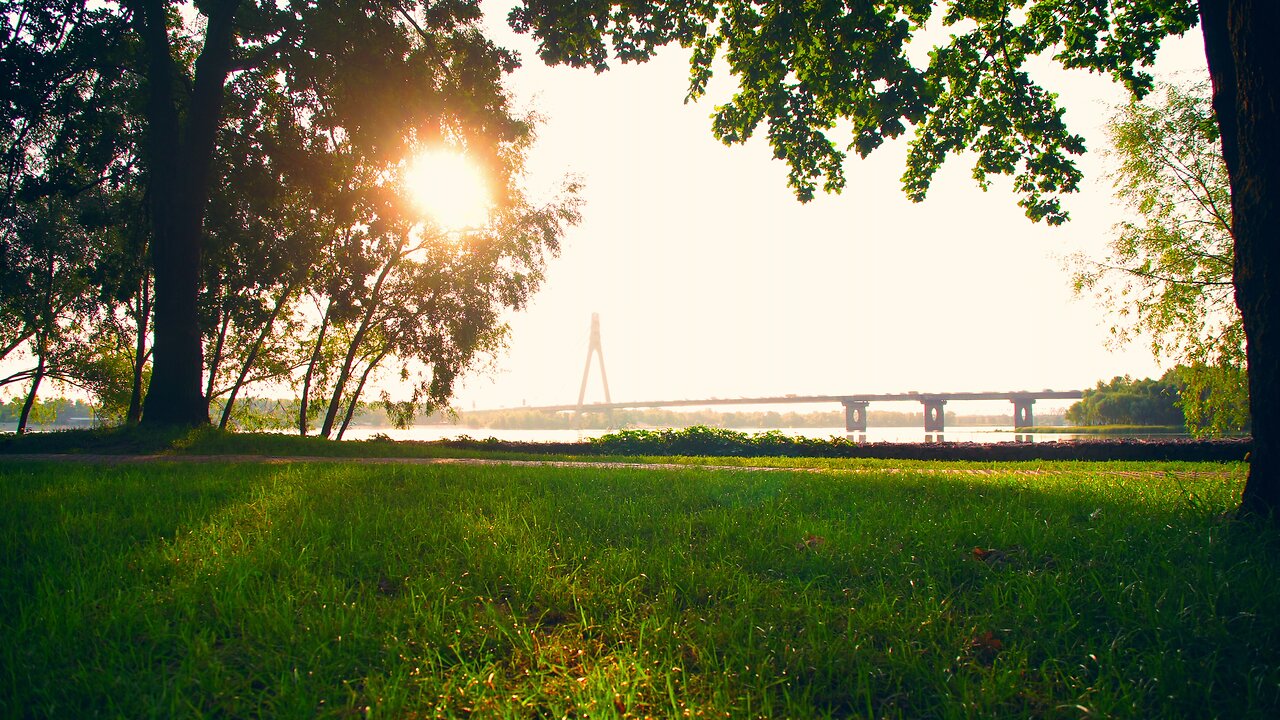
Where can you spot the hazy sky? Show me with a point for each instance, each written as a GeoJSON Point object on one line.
{"type": "Point", "coordinates": [712, 280]}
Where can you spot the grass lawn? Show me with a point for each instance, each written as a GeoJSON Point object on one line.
{"type": "Point", "coordinates": [417, 591]}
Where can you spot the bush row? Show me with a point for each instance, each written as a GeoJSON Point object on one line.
{"type": "Point", "coordinates": [719, 442]}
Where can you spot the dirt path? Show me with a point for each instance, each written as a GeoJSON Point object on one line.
{"type": "Point", "coordinates": [285, 460]}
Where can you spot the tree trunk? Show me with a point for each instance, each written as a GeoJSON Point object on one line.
{"type": "Point", "coordinates": [180, 155]}
{"type": "Point", "coordinates": [253, 356]}
{"type": "Point", "coordinates": [31, 396]}
{"type": "Point", "coordinates": [215, 358]}
{"type": "Point", "coordinates": [311, 369]}
{"type": "Point", "coordinates": [140, 353]}
{"type": "Point", "coordinates": [1244, 65]}
{"type": "Point", "coordinates": [355, 394]}
{"type": "Point", "coordinates": [344, 373]}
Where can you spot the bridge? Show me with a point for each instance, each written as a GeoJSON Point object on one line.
{"type": "Point", "coordinates": [855, 406]}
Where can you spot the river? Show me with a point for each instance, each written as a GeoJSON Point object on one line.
{"type": "Point", "coordinates": [980, 434]}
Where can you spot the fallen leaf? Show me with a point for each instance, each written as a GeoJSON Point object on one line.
{"type": "Point", "coordinates": [811, 542]}
{"type": "Point", "coordinates": [994, 557]}
{"type": "Point", "coordinates": [991, 556]}
{"type": "Point", "coordinates": [985, 647]}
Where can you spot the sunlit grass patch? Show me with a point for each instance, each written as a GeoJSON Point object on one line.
{"type": "Point", "coordinates": [422, 591]}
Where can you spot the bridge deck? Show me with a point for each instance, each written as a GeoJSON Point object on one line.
{"type": "Point", "coordinates": [815, 399]}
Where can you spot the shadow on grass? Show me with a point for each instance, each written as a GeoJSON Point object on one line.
{"type": "Point", "coordinates": [326, 589]}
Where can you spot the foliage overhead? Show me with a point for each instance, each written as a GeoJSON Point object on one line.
{"type": "Point", "coordinates": [813, 70]}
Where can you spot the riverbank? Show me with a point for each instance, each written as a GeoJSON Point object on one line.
{"type": "Point", "coordinates": [1125, 430]}
{"type": "Point", "coordinates": [698, 441]}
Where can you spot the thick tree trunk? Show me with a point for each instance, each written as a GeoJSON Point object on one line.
{"type": "Point", "coordinates": [1244, 65]}
{"type": "Point", "coordinates": [174, 396]}
{"type": "Point", "coordinates": [180, 156]}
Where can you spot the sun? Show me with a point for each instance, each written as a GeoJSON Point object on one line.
{"type": "Point", "coordinates": [449, 188]}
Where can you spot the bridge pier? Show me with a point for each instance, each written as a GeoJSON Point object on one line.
{"type": "Point", "coordinates": [934, 417]}
{"type": "Point", "coordinates": [1022, 416]}
{"type": "Point", "coordinates": [855, 415]}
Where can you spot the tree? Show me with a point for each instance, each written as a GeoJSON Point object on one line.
{"type": "Point", "coordinates": [263, 241]}
{"type": "Point", "coordinates": [53, 297]}
{"type": "Point", "coordinates": [391, 73]}
{"type": "Point", "coordinates": [403, 289]}
{"type": "Point", "coordinates": [66, 143]}
{"type": "Point", "coordinates": [1168, 275]}
{"type": "Point", "coordinates": [1125, 401]}
{"type": "Point", "coordinates": [806, 69]}
{"type": "Point", "coordinates": [384, 76]}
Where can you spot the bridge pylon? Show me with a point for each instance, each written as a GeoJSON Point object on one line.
{"type": "Point", "coordinates": [934, 417]}
{"type": "Point", "coordinates": [593, 348]}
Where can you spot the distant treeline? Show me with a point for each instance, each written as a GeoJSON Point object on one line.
{"type": "Point", "coordinates": [1121, 401]}
{"type": "Point", "coordinates": [250, 414]}
{"type": "Point", "coordinates": [1125, 401]}
{"type": "Point", "coordinates": [56, 412]}
{"type": "Point", "coordinates": [282, 414]}
{"type": "Point", "coordinates": [661, 418]}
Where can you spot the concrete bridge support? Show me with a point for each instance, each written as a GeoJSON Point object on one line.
{"type": "Point", "coordinates": [855, 415]}
{"type": "Point", "coordinates": [934, 417]}
{"type": "Point", "coordinates": [1022, 416]}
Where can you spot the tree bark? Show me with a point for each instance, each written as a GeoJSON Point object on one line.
{"type": "Point", "coordinates": [1244, 66]}
{"type": "Point", "coordinates": [140, 352]}
{"type": "Point", "coordinates": [311, 369]}
{"type": "Point", "coordinates": [31, 396]}
{"type": "Point", "coordinates": [180, 158]}
{"type": "Point", "coordinates": [354, 400]}
{"type": "Point", "coordinates": [252, 357]}
{"type": "Point", "coordinates": [344, 373]}
{"type": "Point", "coordinates": [215, 359]}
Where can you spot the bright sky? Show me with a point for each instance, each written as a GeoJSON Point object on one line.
{"type": "Point", "coordinates": [711, 280]}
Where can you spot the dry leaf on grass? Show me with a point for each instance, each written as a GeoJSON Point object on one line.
{"type": "Point", "coordinates": [985, 647]}
{"type": "Point", "coordinates": [811, 542]}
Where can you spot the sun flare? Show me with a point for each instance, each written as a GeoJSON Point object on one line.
{"type": "Point", "coordinates": [449, 188]}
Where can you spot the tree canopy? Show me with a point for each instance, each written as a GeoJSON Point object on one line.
{"type": "Point", "coordinates": [1125, 401]}
{"type": "Point", "coordinates": [830, 77]}
{"type": "Point", "coordinates": [252, 151]}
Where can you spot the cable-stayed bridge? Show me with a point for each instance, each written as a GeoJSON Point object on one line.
{"type": "Point", "coordinates": [855, 405]}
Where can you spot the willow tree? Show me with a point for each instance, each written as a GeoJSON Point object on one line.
{"type": "Point", "coordinates": [398, 288]}
{"type": "Point", "coordinates": [1166, 275]}
{"type": "Point", "coordinates": [806, 68]}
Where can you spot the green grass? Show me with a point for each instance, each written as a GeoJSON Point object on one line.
{"type": "Point", "coordinates": [334, 590]}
